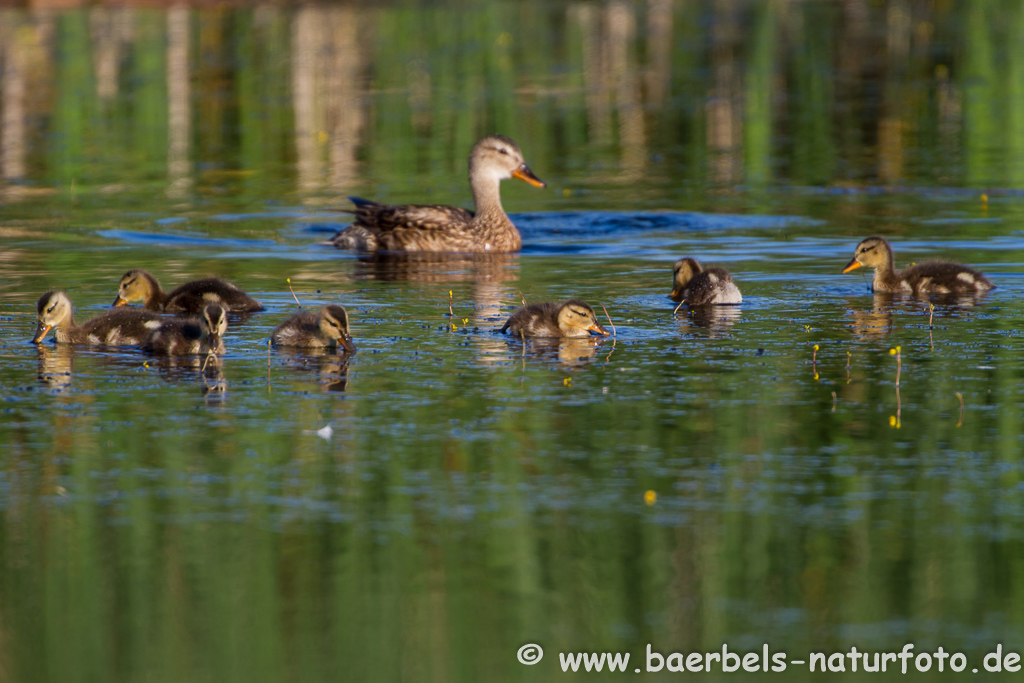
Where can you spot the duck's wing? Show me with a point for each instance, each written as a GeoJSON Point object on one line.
{"type": "Point", "coordinates": [384, 217]}
{"type": "Point", "coordinates": [193, 296]}
{"type": "Point", "coordinates": [943, 277]}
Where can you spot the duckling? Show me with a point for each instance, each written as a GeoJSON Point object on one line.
{"type": "Point", "coordinates": [191, 297]}
{"type": "Point", "coordinates": [189, 336]}
{"type": "Point", "coordinates": [694, 286]}
{"type": "Point", "coordinates": [931, 277]}
{"type": "Point", "coordinates": [447, 228]}
{"type": "Point", "coordinates": [328, 328]}
{"type": "Point", "coordinates": [113, 328]}
{"type": "Point", "coordinates": [573, 318]}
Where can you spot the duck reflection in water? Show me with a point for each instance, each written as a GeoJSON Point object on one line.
{"type": "Point", "coordinates": [569, 352]}
{"type": "Point", "coordinates": [717, 320]}
{"type": "Point", "coordinates": [876, 323]}
{"type": "Point", "coordinates": [329, 366]}
{"type": "Point", "coordinates": [56, 365]}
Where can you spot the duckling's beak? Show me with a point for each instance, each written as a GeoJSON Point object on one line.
{"type": "Point", "coordinates": [675, 294]}
{"type": "Point", "coordinates": [41, 332]}
{"type": "Point", "coordinates": [524, 173]}
{"type": "Point", "coordinates": [854, 264]}
{"type": "Point", "coordinates": [346, 342]}
{"type": "Point", "coordinates": [213, 340]}
{"type": "Point", "coordinates": [597, 329]}
{"type": "Point", "coordinates": [119, 301]}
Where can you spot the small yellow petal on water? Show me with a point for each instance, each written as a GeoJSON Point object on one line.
{"type": "Point", "coordinates": [567, 382]}
{"type": "Point", "coordinates": [892, 420]}
{"type": "Point", "coordinates": [566, 192]}
{"type": "Point", "coordinates": [892, 352]}
{"type": "Point", "coordinates": [650, 497]}
{"type": "Point", "coordinates": [322, 137]}
{"type": "Point", "coordinates": [815, 347]}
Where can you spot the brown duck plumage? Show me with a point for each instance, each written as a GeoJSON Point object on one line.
{"type": "Point", "coordinates": [119, 327]}
{"type": "Point", "coordinates": [191, 297]}
{"type": "Point", "coordinates": [573, 318]}
{"type": "Point", "coordinates": [922, 279]}
{"type": "Point", "coordinates": [695, 286]}
{"type": "Point", "coordinates": [191, 336]}
{"type": "Point", "coordinates": [327, 328]}
{"type": "Point", "coordinates": [378, 227]}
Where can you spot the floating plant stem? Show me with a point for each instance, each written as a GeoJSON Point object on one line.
{"type": "Point", "coordinates": [609, 320]}
{"type": "Point", "coordinates": [293, 292]}
{"type": "Point", "coordinates": [451, 313]}
{"type": "Point", "coordinates": [931, 315]}
{"type": "Point", "coordinates": [834, 401]}
{"type": "Point", "coordinates": [899, 362]}
{"type": "Point", "coordinates": [960, 397]}
{"type": "Point", "coordinates": [814, 361]}
{"type": "Point", "coordinates": [678, 307]}
{"type": "Point", "coordinates": [522, 297]}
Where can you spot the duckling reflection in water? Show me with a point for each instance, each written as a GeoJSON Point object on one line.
{"type": "Point", "coordinates": [191, 337]}
{"type": "Point", "coordinates": [573, 318]}
{"type": "Point", "coordinates": [920, 280]}
{"type": "Point", "coordinates": [119, 327]}
{"type": "Point", "coordinates": [717, 320]}
{"type": "Point", "coordinates": [876, 323]}
{"type": "Point", "coordinates": [694, 286]}
{"type": "Point", "coordinates": [330, 366]}
{"type": "Point", "coordinates": [191, 297]}
{"type": "Point", "coordinates": [56, 365]}
{"type": "Point", "coordinates": [327, 328]}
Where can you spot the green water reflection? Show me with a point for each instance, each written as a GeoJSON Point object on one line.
{"type": "Point", "coordinates": [159, 523]}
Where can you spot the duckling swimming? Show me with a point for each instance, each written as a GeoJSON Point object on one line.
{"type": "Point", "coordinates": [189, 336]}
{"type": "Point", "coordinates": [573, 318]}
{"type": "Point", "coordinates": [119, 327]}
{"type": "Point", "coordinates": [931, 277]}
{"type": "Point", "coordinates": [447, 228]}
{"type": "Point", "coordinates": [191, 297]}
{"type": "Point", "coordinates": [326, 329]}
{"type": "Point", "coordinates": [694, 286]}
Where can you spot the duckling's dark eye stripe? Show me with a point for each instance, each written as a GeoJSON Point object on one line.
{"type": "Point", "coordinates": [579, 313]}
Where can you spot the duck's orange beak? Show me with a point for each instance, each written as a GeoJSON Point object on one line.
{"type": "Point", "coordinates": [674, 295]}
{"type": "Point", "coordinates": [524, 173]}
{"type": "Point", "coordinates": [346, 342]}
{"type": "Point", "coordinates": [854, 264]}
{"type": "Point", "coordinates": [597, 329]}
{"type": "Point", "coordinates": [119, 301]}
{"type": "Point", "coordinates": [41, 332]}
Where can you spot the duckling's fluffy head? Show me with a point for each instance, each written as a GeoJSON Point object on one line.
{"type": "Point", "coordinates": [136, 285]}
{"type": "Point", "coordinates": [873, 252]}
{"type": "Point", "coordinates": [577, 319]}
{"type": "Point", "coordinates": [214, 321]}
{"type": "Point", "coordinates": [334, 324]}
{"type": "Point", "coordinates": [684, 270]}
{"type": "Point", "coordinates": [497, 157]}
{"type": "Point", "coordinates": [53, 310]}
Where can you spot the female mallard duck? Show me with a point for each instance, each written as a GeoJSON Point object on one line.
{"type": "Point", "coordinates": [447, 228]}
{"type": "Point", "coordinates": [326, 329]}
{"type": "Point", "coordinates": [573, 318]}
{"type": "Point", "coordinates": [191, 297]}
{"type": "Point", "coordinates": [113, 328]}
{"type": "Point", "coordinates": [191, 337]}
{"type": "Point", "coordinates": [694, 286]}
{"type": "Point", "coordinates": [932, 277]}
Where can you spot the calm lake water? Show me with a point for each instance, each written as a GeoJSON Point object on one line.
{"type": "Point", "coordinates": [421, 510]}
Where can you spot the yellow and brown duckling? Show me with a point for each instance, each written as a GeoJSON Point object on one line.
{"type": "Point", "coordinates": [327, 328]}
{"type": "Point", "coordinates": [191, 336]}
{"type": "Point", "coordinates": [573, 318]}
{"type": "Point", "coordinates": [446, 228]}
{"type": "Point", "coordinates": [695, 286]}
{"type": "Point", "coordinates": [931, 277]}
{"type": "Point", "coordinates": [191, 297]}
{"type": "Point", "coordinates": [119, 327]}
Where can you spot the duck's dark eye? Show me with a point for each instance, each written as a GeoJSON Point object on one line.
{"type": "Point", "coordinates": [503, 150]}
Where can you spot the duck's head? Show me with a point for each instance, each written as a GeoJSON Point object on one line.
{"type": "Point", "coordinates": [334, 323]}
{"type": "Point", "coordinates": [53, 309]}
{"type": "Point", "coordinates": [684, 270]}
{"type": "Point", "coordinates": [498, 157]}
{"type": "Point", "coordinates": [214, 322]}
{"type": "Point", "coordinates": [873, 252]}
{"type": "Point", "coordinates": [135, 285]}
{"type": "Point", "coordinates": [577, 319]}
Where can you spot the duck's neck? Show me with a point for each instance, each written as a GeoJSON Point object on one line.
{"type": "Point", "coordinates": [67, 330]}
{"type": "Point", "coordinates": [487, 197]}
{"type": "Point", "coordinates": [886, 279]}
